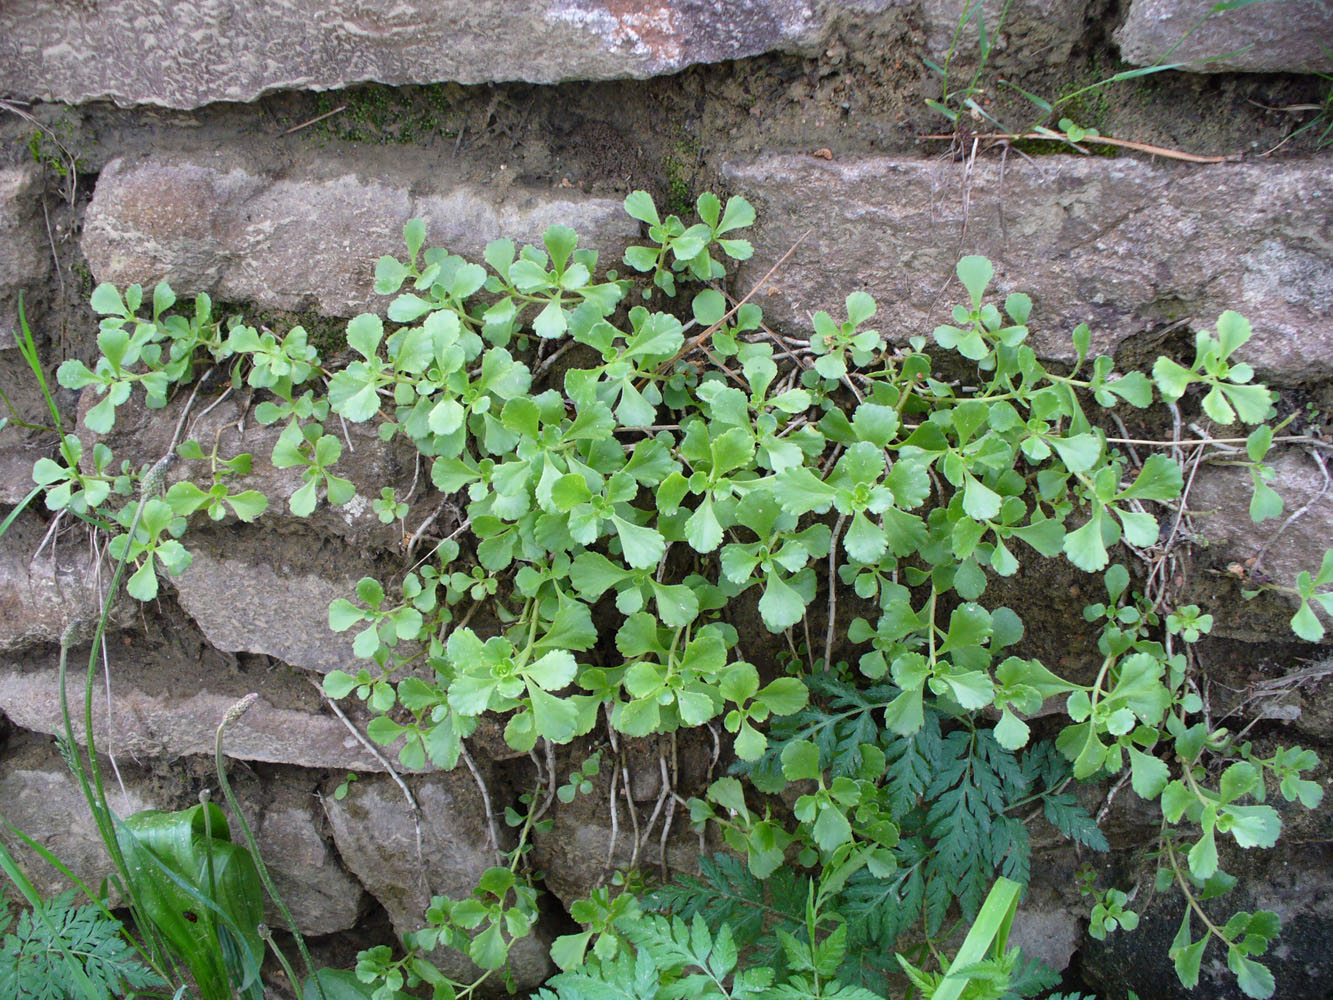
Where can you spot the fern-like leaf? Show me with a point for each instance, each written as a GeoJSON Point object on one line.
{"type": "Point", "coordinates": [838, 720]}
{"type": "Point", "coordinates": [1071, 819]}
{"type": "Point", "coordinates": [36, 959]}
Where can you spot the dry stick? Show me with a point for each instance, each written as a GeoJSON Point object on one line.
{"type": "Point", "coordinates": [717, 750]}
{"type": "Point", "coordinates": [548, 362]}
{"type": "Point", "coordinates": [662, 796]}
{"type": "Point", "coordinates": [1286, 107]}
{"type": "Point", "coordinates": [549, 747]}
{"type": "Point", "coordinates": [809, 643]}
{"type": "Point", "coordinates": [615, 824]}
{"type": "Point", "coordinates": [1319, 460]}
{"type": "Point", "coordinates": [832, 593]}
{"type": "Point", "coordinates": [633, 813]}
{"type": "Point", "coordinates": [1194, 462]}
{"type": "Point", "coordinates": [317, 118]}
{"type": "Point", "coordinates": [383, 761]}
{"type": "Point", "coordinates": [615, 774]}
{"type": "Point", "coordinates": [51, 531]}
{"type": "Point", "coordinates": [1278, 685]}
{"type": "Point", "coordinates": [491, 831]}
{"type": "Point", "coordinates": [1110, 797]}
{"type": "Point", "coordinates": [55, 259]}
{"type": "Point", "coordinates": [110, 752]}
{"type": "Point", "coordinates": [1103, 140]}
{"type": "Point", "coordinates": [423, 528]}
{"type": "Point", "coordinates": [791, 643]}
{"type": "Point", "coordinates": [209, 409]}
{"type": "Point", "coordinates": [1220, 442]}
{"type": "Point", "coordinates": [1138, 462]}
{"type": "Point", "coordinates": [72, 161]}
{"type": "Point", "coordinates": [671, 806]}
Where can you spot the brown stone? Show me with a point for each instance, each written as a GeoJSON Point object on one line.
{"type": "Point", "coordinates": [148, 52]}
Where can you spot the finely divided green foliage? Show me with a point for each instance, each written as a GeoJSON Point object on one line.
{"type": "Point", "coordinates": [617, 507]}
{"type": "Point", "coordinates": [35, 956]}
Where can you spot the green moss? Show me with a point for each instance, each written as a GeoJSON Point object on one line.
{"type": "Point", "coordinates": [383, 115]}
{"type": "Point", "coordinates": [48, 146]}
{"type": "Point", "coordinates": [678, 169]}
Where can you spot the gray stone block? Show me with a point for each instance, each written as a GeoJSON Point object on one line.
{"type": "Point", "coordinates": [1125, 245]}
{"type": "Point", "coordinates": [1294, 36]}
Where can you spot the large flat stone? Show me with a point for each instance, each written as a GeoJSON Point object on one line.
{"type": "Point", "coordinates": [1123, 244]}
{"type": "Point", "coordinates": [142, 436]}
{"type": "Point", "coordinates": [322, 896]}
{"type": "Point", "coordinates": [310, 239]}
{"type": "Point", "coordinates": [150, 52]}
{"type": "Point", "coordinates": [39, 796]}
{"type": "Point", "coordinates": [182, 56]}
{"type": "Point", "coordinates": [150, 722]}
{"type": "Point", "coordinates": [259, 608]}
{"type": "Point", "coordinates": [1220, 503]}
{"type": "Point", "coordinates": [1281, 37]}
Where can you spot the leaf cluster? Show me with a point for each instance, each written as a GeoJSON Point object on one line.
{"type": "Point", "coordinates": [36, 956]}
{"type": "Point", "coordinates": [614, 521]}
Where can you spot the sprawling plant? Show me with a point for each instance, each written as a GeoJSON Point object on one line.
{"type": "Point", "coordinates": [625, 476]}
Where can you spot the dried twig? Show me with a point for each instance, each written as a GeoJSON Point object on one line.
{"type": "Point", "coordinates": [1101, 140]}
{"type": "Point", "coordinates": [748, 295]}
{"type": "Point", "coordinates": [832, 593]}
{"type": "Point", "coordinates": [389, 769]}
{"type": "Point", "coordinates": [491, 832]}
{"type": "Point", "coordinates": [315, 120]}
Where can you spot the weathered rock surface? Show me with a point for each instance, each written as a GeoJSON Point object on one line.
{"type": "Point", "coordinates": [376, 835]}
{"type": "Point", "coordinates": [1123, 244]}
{"type": "Point", "coordinates": [1275, 37]}
{"type": "Point", "coordinates": [149, 52]}
{"type": "Point", "coordinates": [24, 260]}
{"type": "Point", "coordinates": [1220, 502]}
{"type": "Point", "coordinates": [147, 721]}
{"type": "Point", "coordinates": [1023, 31]}
{"type": "Point", "coordinates": [221, 225]}
{"type": "Point", "coordinates": [39, 796]}
{"type": "Point", "coordinates": [25, 265]}
{"type": "Point", "coordinates": [262, 608]}
{"type": "Point", "coordinates": [41, 596]}
{"type": "Point", "coordinates": [1047, 928]}
{"type": "Point", "coordinates": [143, 436]}
{"type": "Point", "coordinates": [322, 896]}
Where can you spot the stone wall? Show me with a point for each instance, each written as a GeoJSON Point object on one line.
{"type": "Point", "coordinates": [204, 153]}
